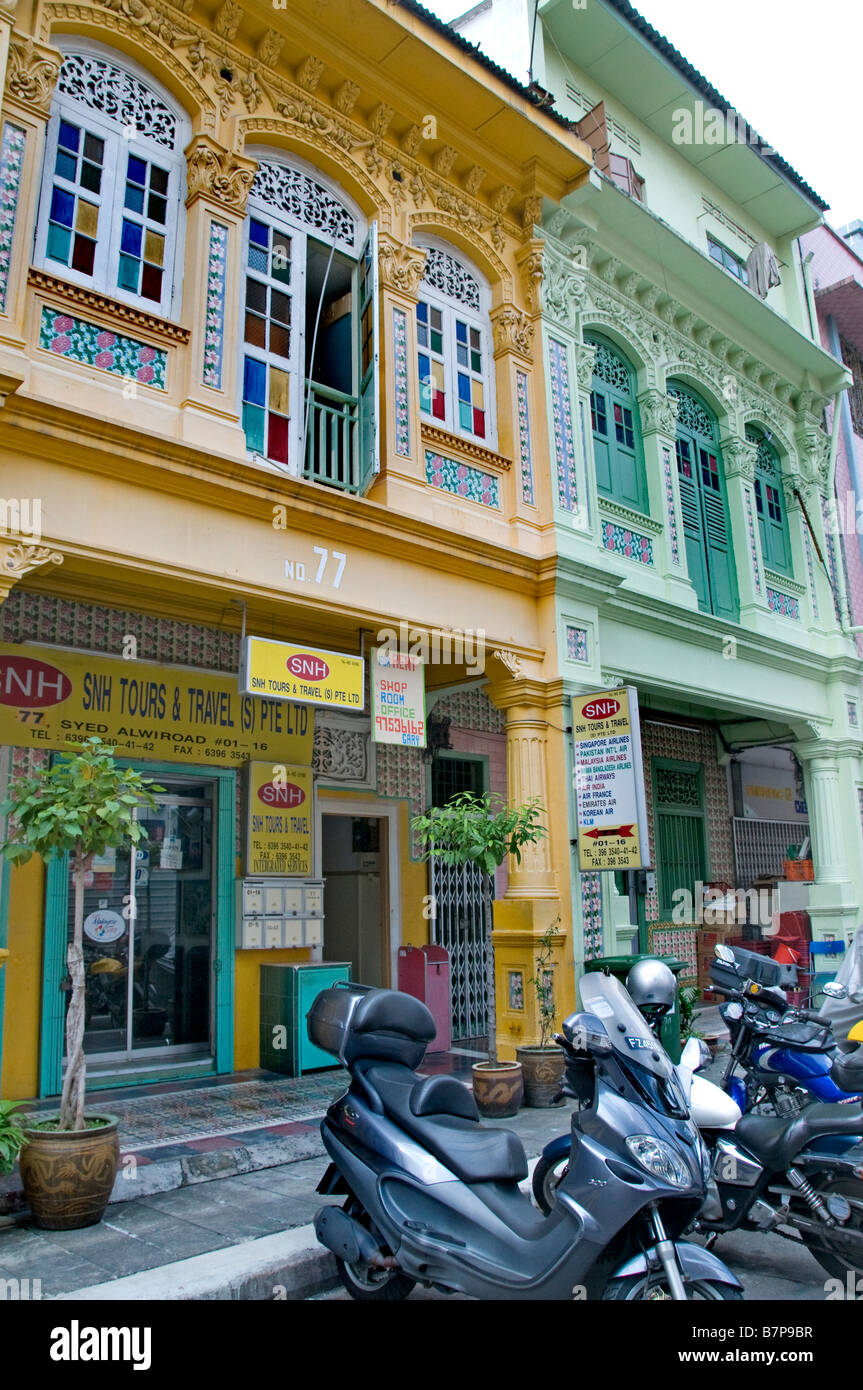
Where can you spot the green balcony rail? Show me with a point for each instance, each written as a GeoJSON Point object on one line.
{"type": "Point", "coordinates": [332, 455]}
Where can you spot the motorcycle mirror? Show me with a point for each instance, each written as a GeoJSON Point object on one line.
{"type": "Point", "coordinates": [724, 953]}
{"type": "Point", "coordinates": [834, 990]}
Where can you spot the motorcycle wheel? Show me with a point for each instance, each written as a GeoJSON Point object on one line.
{"type": "Point", "coordinates": [363, 1281]}
{"type": "Point", "coordinates": [837, 1258]}
{"type": "Point", "coordinates": [546, 1178]}
{"type": "Point", "coordinates": [653, 1287]}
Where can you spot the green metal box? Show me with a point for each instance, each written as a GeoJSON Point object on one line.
{"type": "Point", "coordinates": [287, 994]}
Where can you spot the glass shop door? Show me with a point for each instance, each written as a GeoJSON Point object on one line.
{"type": "Point", "coordinates": [150, 973]}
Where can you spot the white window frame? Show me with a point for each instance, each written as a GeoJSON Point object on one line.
{"type": "Point", "coordinates": [451, 309]}
{"type": "Point", "coordinates": [300, 233]}
{"type": "Point", "coordinates": [118, 146]}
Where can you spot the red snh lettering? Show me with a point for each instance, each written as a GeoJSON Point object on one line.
{"type": "Point", "coordinates": [30, 684]}
{"type": "Point", "coordinates": [281, 794]}
{"type": "Point", "coordinates": [307, 667]}
{"type": "Point", "coordinates": [601, 709]}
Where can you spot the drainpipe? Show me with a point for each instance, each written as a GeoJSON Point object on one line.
{"type": "Point", "coordinates": [842, 419]}
{"type": "Point", "coordinates": [810, 296]}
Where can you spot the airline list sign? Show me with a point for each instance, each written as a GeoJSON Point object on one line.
{"type": "Point", "coordinates": [609, 781]}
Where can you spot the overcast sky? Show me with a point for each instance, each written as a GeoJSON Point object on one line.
{"type": "Point", "coordinates": [791, 67]}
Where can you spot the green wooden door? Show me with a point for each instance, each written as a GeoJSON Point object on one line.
{"type": "Point", "coordinates": [681, 857]}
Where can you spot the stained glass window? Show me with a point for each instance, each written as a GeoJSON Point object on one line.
{"type": "Point", "coordinates": [451, 351]}
{"type": "Point", "coordinates": [267, 336]}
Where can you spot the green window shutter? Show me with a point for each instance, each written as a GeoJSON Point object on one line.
{"type": "Point", "coordinates": [617, 446]}
{"type": "Point", "coordinates": [770, 505]}
{"type": "Point", "coordinates": [709, 551]}
{"type": "Point", "coordinates": [368, 354]}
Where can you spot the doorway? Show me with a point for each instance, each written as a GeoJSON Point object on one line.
{"type": "Point", "coordinates": [355, 862]}
{"type": "Point", "coordinates": [149, 973]}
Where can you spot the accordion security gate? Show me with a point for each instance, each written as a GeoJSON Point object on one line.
{"type": "Point", "coordinates": [761, 845]}
{"type": "Point", "coordinates": [458, 925]}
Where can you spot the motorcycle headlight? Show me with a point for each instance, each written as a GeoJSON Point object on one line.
{"type": "Point", "coordinates": [659, 1160]}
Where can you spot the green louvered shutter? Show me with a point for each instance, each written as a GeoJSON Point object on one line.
{"type": "Point", "coordinates": [709, 552]}
{"type": "Point", "coordinates": [693, 528]}
{"type": "Point", "coordinates": [720, 559]}
{"type": "Point", "coordinates": [617, 447]}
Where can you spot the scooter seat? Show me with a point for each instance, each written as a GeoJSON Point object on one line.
{"type": "Point", "coordinates": [441, 1115]}
{"type": "Point", "coordinates": [776, 1141]}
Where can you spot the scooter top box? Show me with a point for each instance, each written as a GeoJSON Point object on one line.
{"type": "Point", "coordinates": [750, 966]}
{"type": "Point", "coordinates": [352, 1020]}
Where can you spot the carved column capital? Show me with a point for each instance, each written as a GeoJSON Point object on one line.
{"type": "Point", "coordinates": [530, 260]}
{"type": "Point", "coordinates": [658, 412]}
{"type": "Point", "coordinates": [218, 174]}
{"type": "Point", "coordinates": [738, 457]}
{"type": "Point", "coordinates": [19, 558]}
{"type": "Point", "coordinates": [401, 266]}
{"type": "Point", "coordinates": [31, 73]}
{"type": "Point", "coordinates": [813, 450]}
{"type": "Point", "coordinates": [512, 330]}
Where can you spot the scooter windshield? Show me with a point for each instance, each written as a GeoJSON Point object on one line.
{"type": "Point", "coordinates": [628, 1033]}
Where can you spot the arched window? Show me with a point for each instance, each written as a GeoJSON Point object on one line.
{"type": "Point", "coordinates": [309, 378]}
{"type": "Point", "coordinates": [772, 520]}
{"type": "Point", "coordinates": [617, 449]}
{"type": "Point", "coordinates": [703, 505]}
{"type": "Point", "coordinates": [112, 182]}
{"type": "Point", "coordinates": [454, 348]}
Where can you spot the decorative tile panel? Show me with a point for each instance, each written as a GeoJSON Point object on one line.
{"type": "Point", "coordinates": [11, 157]}
{"type": "Point", "coordinates": [591, 915]}
{"type": "Point", "coordinates": [630, 544]}
{"type": "Point", "coordinates": [214, 330]}
{"type": "Point", "coordinates": [400, 353]}
{"type": "Point", "coordinates": [401, 775]}
{"type": "Point", "coordinates": [811, 568]}
{"type": "Point", "coordinates": [462, 480]}
{"type": "Point", "coordinates": [468, 709]}
{"type": "Point", "coordinates": [576, 644]}
{"type": "Point", "coordinates": [786, 604]}
{"type": "Point", "coordinates": [673, 538]}
{"type": "Point", "coordinates": [753, 547]}
{"type": "Point", "coordinates": [681, 942]}
{"type": "Point", "coordinates": [561, 410]}
{"type": "Point", "coordinates": [525, 451]}
{"type": "Point", "coordinates": [88, 343]}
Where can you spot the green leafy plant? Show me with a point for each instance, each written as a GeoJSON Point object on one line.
{"type": "Point", "coordinates": [82, 806]}
{"type": "Point", "coordinates": [481, 830]}
{"type": "Point", "coordinates": [687, 998]}
{"type": "Point", "coordinates": [543, 982]}
{"type": "Point", "coordinates": [11, 1135]}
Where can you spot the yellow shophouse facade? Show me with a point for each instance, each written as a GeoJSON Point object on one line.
{"type": "Point", "coordinates": [268, 364]}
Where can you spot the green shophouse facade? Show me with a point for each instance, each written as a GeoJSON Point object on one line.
{"type": "Point", "coordinates": [689, 463]}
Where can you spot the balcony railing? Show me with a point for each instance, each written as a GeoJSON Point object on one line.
{"type": "Point", "coordinates": [332, 454]}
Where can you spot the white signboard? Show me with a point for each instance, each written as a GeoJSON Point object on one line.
{"type": "Point", "coordinates": [398, 698]}
{"type": "Point", "coordinates": [104, 925]}
{"type": "Point", "coordinates": [609, 781]}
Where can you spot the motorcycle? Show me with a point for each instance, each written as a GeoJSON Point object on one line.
{"type": "Point", "coordinates": [433, 1197]}
{"type": "Point", "coordinates": [798, 1175]}
{"type": "Point", "coordinates": [786, 1054]}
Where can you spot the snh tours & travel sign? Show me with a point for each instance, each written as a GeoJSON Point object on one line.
{"type": "Point", "coordinates": [51, 698]}
{"type": "Point", "coordinates": [307, 675]}
{"type": "Point", "coordinates": [608, 777]}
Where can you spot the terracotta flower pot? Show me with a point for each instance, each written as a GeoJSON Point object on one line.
{"type": "Point", "coordinates": [68, 1175]}
{"type": "Point", "coordinates": [543, 1074]}
{"type": "Point", "coordinates": [498, 1088]}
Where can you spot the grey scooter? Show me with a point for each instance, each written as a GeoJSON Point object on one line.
{"type": "Point", "coordinates": [433, 1196]}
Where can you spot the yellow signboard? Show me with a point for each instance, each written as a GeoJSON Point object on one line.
{"type": "Point", "coordinates": [609, 781]}
{"type": "Point", "coordinates": [284, 671]}
{"type": "Point", "coordinates": [55, 699]}
{"type": "Point", "coordinates": [279, 828]}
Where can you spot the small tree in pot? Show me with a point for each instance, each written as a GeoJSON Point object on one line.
{"type": "Point", "coordinates": [542, 1063]}
{"type": "Point", "coordinates": [82, 806]}
{"type": "Point", "coordinates": [483, 830]}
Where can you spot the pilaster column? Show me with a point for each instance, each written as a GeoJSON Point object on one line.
{"type": "Point", "coordinates": [218, 186]}
{"type": "Point", "coordinates": [738, 462]}
{"type": "Point", "coordinates": [832, 772]}
{"type": "Point", "coordinates": [658, 415]}
{"type": "Point", "coordinates": [31, 71]}
{"type": "Point", "coordinates": [401, 271]}
{"type": "Point", "coordinates": [523, 702]}
{"type": "Point", "coordinates": [513, 337]}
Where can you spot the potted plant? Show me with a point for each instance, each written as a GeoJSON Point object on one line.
{"type": "Point", "coordinates": [482, 830]}
{"type": "Point", "coordinates": [11, 1135]}
{"type": "Point", "coordinates": [542, 1062]}
{"type": "Point", "coordinates": [82, 806]}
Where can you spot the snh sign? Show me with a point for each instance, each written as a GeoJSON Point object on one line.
{"type": "Point", "coordinates": [305, 675]}
{"type": "Point", "coordinates": [608, 780]}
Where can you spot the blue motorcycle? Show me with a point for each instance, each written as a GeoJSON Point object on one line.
{"type": "Point", "coordinates": [785, 1054]}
